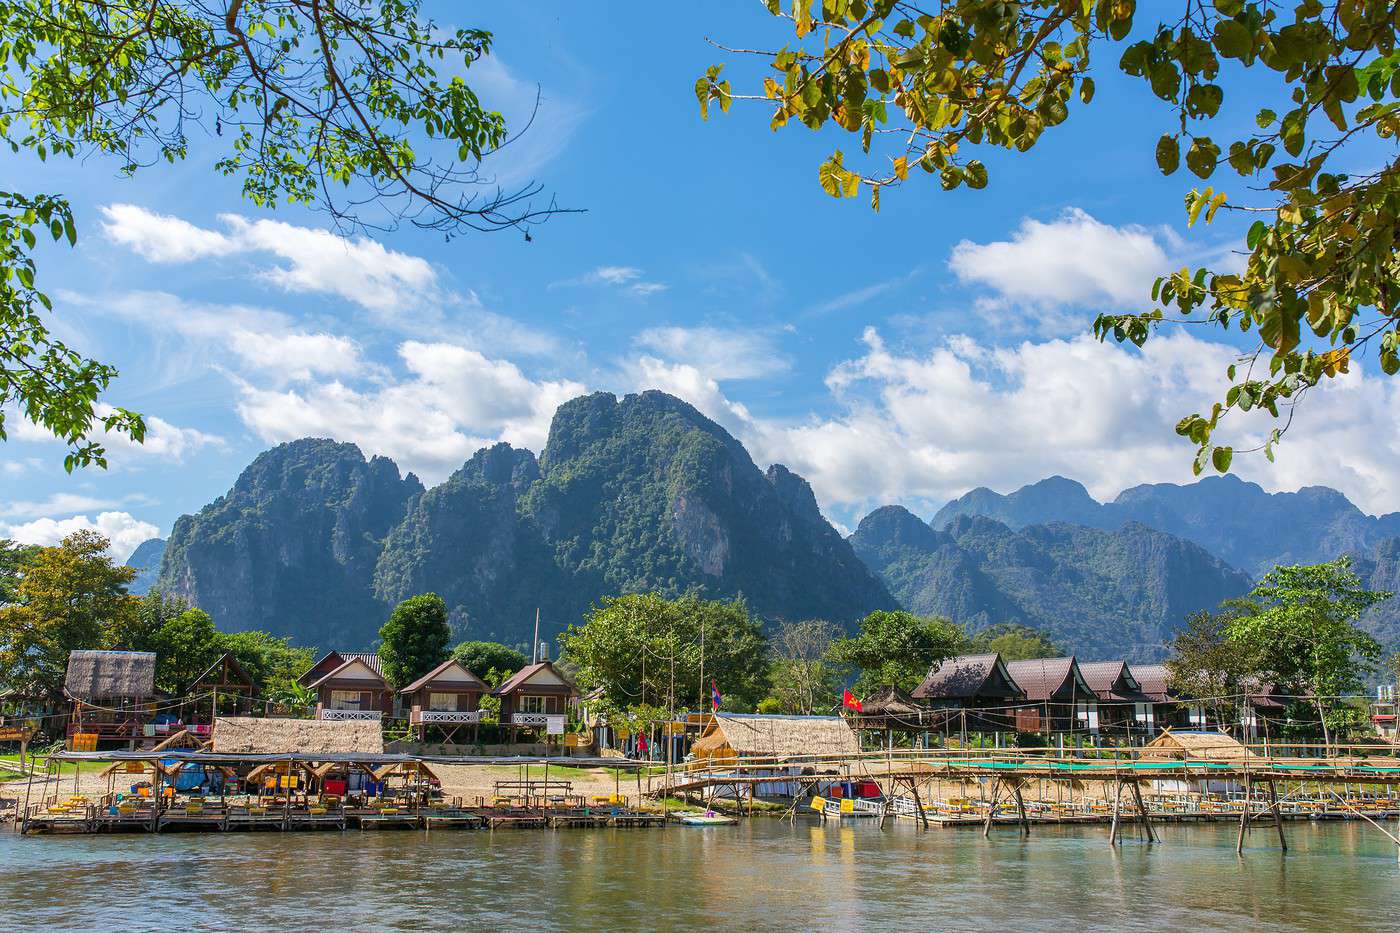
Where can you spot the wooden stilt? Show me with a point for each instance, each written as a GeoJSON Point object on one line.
{"type": "Point", "coordinates": [1021, 809]}
{"type": "Point", "coordinates": [1142, 811]}
{"type": "Point", "coordinates": [918, 804]}
{"type": "Point", "coordinates": [1117, 806]}
{"type": "Point", "coordinates": [1244, 819]}
{"type": "Point", "coordinates": [991, 807]}
{"type": "Point", "coordinates": [1278, 817]}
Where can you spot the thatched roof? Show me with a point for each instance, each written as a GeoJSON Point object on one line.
{"type": "Point", "coordinates": [758, 736]}
{"type": "Point", "coordinates": [244, 735]}
{"type": "Point", "coordinates": [890, 701]}
{"type": "Point", "coordinates": [100, 675]}
{"type": "Point", "coordinates": [1195, 746]}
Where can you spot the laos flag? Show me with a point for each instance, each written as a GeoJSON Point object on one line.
{"type": "Point", "coordinates": [715, 698]}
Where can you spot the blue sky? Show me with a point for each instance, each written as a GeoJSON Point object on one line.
{"type": "Point", "coordinates": [905, 356]}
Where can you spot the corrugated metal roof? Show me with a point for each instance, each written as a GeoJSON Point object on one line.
{"type": "Point", "coordinates": [525, 673]}
{"type": "Point", "coordinates": [475, 683]}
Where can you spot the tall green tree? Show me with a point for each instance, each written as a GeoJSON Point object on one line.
{"type": "Point", "coordinates": [140, 630]}
{"type": "Point", "coordinates": [67, 598]}
{"type": "Point", "coordinates": [273, 663]}
{"type": "Point", "coordinates": [13, 557]}
{"type": "Point", "coordinates": [1014, 642]}
{"type": "Point", "coordinates": [360, 108]}
{"type": "Point", "coordinates": [804, 680]}
{"type": "Point", "coordinates": [1304, 635]}
{"type": "Point", "coordinates": [1207, 664]}
{"type": "Point", "coordinates": [646, 650]}
{"type": "Point", "coordinates": [929, 89]}
{"type": "Point", "coordinates": [489, 660]}
{"type": "Point", "coordinates": [185, 646]}
{"type": "Point", "coordinates": [897, 648]}
{"type": "Point", "coordinates": [415, 638]}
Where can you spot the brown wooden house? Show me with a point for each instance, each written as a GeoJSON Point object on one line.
{"type": "Point", "coordinates": [1058, 698]}
{"type": "Point", "coordinates": [975, 690]}
{"type": "Point", "coordinates": [536, 697]}
{"type": "Point", "coordinates": [1169, 710]}
{"type": "Point", "coordinates": [349, 686]}
{"type": "Point", "coordinates": [1122, 708]}
{"type": "Point", "coordinates": [112, 695]}
{"type": "Point", "coordinates": [444, 700]}
{"type": "Point", "coordinates": [224, 688]}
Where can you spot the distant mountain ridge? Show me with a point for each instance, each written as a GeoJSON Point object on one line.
{"type": "Point", "coordinates": [146, 561]}
{"type": "Point", "coordinates": [1236, 521]}
{"type": "Point", "coordinates": [1098, 593]}
{"type": "Point", "coordinates": [639, 493]}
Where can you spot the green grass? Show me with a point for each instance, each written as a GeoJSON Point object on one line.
{"type": "Point", "coordinates": [84, 767]}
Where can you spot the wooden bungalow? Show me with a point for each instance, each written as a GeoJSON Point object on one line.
{"type": "Point", "coordinates": [1058, 698]}
{"type": "Point", "coordinates": [349, 686]}
{"type": "Point", "coordinates": [225, 687]}
{"type": "Point", "coordinates": [536, 697]}
{"type": "Point", "coordinates": [112, 695]}
{"type": "Point", "coordinates": [445, 699]}
{"type": "Point", "coordinates": [1122, 708]}
{"type": "Point", "coordinates": [1169, 708]}
{"type": "Point", "coordinates": [975, 691]}
{"type": "Point", "coordinates": [1262, 711]}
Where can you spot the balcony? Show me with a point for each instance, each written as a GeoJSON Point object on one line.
{"type": "Point", "coordinates": [454, 717]}
{"type": "Point", "coordinates": [342, 715]}
{"type": "Point", "coordinates": [553, 723]}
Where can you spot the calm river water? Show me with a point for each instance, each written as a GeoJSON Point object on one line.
{"type": "Point", "coordinates": [762, 875]}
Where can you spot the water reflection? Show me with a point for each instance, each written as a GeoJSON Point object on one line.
{"type": "Point", "coordinates": [762, 875]}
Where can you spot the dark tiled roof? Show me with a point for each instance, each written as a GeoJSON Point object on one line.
{"type": "Point", "coordinates": [474, 684]}
{"type": "Point", "coordinates": [1154, 681]}
{"type": "Point", "coordinates": [964, 677]}
{"type": "Point", "coordinates": [525, 673]}
{"type": "Point", "coordinates": [1111, 680]}
{"type": "Point", "coordinates": [350, 660]}
{"type": "Point", "coordinates": [1041, 678]}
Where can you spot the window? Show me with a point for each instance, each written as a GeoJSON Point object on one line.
{"type": "Point", "coordinates": [345, 699]}
{"type": "Point", "coordinates": [1142, 712]}
{"type": "Point", "coordinates": [442, 702]}
{"type": "Point", "coordinates": [531, 704]}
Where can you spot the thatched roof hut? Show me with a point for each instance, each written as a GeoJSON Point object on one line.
{"type": "Point", "coordinates": [111, 675]}
{"type": "Point", "coordinates": [746, 735]}
{"type": "Point", "coordinates": [1194, 746]}
{"type": "Point", "coordinates": [243, 735]}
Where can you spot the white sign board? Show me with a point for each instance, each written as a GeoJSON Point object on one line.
{"type": "Point", "coordinates": [554, 725]}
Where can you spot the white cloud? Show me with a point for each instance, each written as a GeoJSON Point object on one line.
{"type": "Point", "coordinates": [317, 261]}
{"type": "Point", "coordinates": [454, 401]}
{"type": "Point", "coordinates": [719, 353]}
{"type": "Point", "coordinates": [541, 121]}
{"type": "Point", "coordinates": [1072, 260]}
{"type": "Point", "coordinates": [64, 503]}
{"type": "Point", "coordinates": [161, 237]}
{"type": "Point", "coordinates": [625, 278]}
{"type": "Point", "coordinates": [122, 529]}
{"type": "Point", "coordinates": [616, 275]}
{"type": "Point", "coordinates": [167, 441]}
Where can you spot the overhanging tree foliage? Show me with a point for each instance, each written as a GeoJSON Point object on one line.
{"type": "Point", "coordinates": [897, 648]}
{"type": "Point", "coordinates": [359, 107]}
{"type": "Point", "coordinates": [926, 87]}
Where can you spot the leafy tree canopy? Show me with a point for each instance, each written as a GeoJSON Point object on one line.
{"type": "Point", "coordinates": [360, 108]}
{"type": "Point", "coordinates": [415, 638]}
{"type": "Point", "coordinates": [645, 649]}
{"type": "Point", "coordinates": [489, 660]}
{"type": "Point", "coordinates": [1205, 662]}
{"type": "Point", "coordinates": [925, 89]}
{"type": "Point", "coordinates": [897, 648]}
{"type": "Point", "coordinates": [13, 557]}
{"type": "Point", "coordinates": [1014, 642]}
{"type": "Point", "coordinates": [273, 663]}
{"type": "Point", "coordinates": [67, 597]}
{"type": "Point", "coordinates": [185, 646]}
{"type": "Point", "coordinates": [803, 678]}
{"type": "Point", "coordinates": [1302, 631]}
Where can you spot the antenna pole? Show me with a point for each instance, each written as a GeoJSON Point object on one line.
{"type": "Point", "coordinates": [535, 645]}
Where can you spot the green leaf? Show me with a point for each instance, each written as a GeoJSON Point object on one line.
{"type": "Point", "coordinates": [1202, 156]}
{"type": "Point", "coordinates": [1220, 458]}
{"type": "Point", "coordinates": [1168, 154]}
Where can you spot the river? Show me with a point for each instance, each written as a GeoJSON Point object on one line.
{"type": "Point", "coordinates": [763, 874]}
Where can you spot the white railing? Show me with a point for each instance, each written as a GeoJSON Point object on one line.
{"type": "Point", "coordinates": [529, 719]}
{"type": "Point", "coordinates": [436, 715]}
{"type": "Point", "coordinates": [365, 715]}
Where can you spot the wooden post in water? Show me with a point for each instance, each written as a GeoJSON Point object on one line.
{"type": "Point", "coordinates": [991, 807]}
{"type": "Point", "coordinates": [1278, 817]}
{"type": "Point", "coordinates": [1117, 805]}
{"type": "Point", "coordinates": [1142, 810]}
{"type": "Point", "coordinates": [1021, 809]}
{"type": "Point", "coordinates": [1244, 817]}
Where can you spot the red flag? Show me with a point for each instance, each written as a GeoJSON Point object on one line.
{"type": "Point", "coordinates": [642, 743]}
{"type": "Point", "coordinates": [848, 700]}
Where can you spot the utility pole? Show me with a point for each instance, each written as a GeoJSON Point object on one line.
{"type": "Point", "coordinates": [535, 643]}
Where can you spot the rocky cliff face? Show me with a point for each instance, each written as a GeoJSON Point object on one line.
{"type": "Point", "coordinates": [636, 494]}
{"type": "Point", "coordinates": [292, 547]}
{"type": "Point", "coordinates": [1100, 593]}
